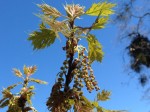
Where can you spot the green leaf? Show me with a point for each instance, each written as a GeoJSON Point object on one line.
{"type": "Point", "coordinates": [38, 81]}
{"type": "Point", "coordinates": [2, 100]}
{"type": "Point", "coordinates": [31, 88]}
{"type": "Point", "coordinates": [86, 102]}
{"type": "Point", "coordinates": [74, 11]}
{"type": "Point", "coordinates": [29, 99]}
{"type": "Point", "coordinates": [83, 105]}
{"type": "Point", "coordinates": [103, 96]}
{"type": "Point", "coordinates": [95, 104]}
{"type": "Point", "coordinates": [43, 38]}
{"type": "Point", "coordinates": [99, 109]}
{"type": "Point", "coordinates": [4, 103]}
{"type": "Point", "coordinates": [71, 102]}
{"type": "Point", "coordinates": [12, 86]}
{"type": "Point", "coordinates": [6, 93]}
{"type": "Point", "coordinates": [49, 10]}
{"type": "Point", "coordinates": [104, 9]}
{"type": "Point", "coordinates": [100, 23]}
{"type": "Point", "coordinates": [29, 70]}
{"type": "Point", "coordinates": [94, 49]}
{"type": "Point", "coordinates": [57, 26]}
{"type": "Point", "coordinates": [105, 110]}
{"type": "Point", "coordinates": [25, 69]}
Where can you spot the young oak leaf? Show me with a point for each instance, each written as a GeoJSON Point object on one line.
{"type": "Point", "coordinates": [83, 105]}
{"type": "Point", "coordinates": [49, 10]}
{"type": "Point", "coordinates": [17, 72]}
{"type": "Point", "coordinates": [43, 38]}
{"type": "Point", "coordinates": [94, 49]}
{"type": "Point", "coordinates": [12, 86]}
{"type": "Point", "coordinates": [56, 26]}
{"type": "Point", "coordinates": [103, 96]}
{"type": "Point", "coordinates": [104, 9]}
{"type": "Point", "coordinates": [6, 93]}
{"type": "Point", "coordinates": [105, 110]}
{"type": "Point", "coordinates": [100, 23]}
{"type": "Point", "coordinates": [29, 70]}
{"type": "Point", "coordinates": [29, 95]}
{"type": "Point", "coordinates": [37, 81]}
{"type": "Point", "coordinates": [4, 103]}
{"type": "Point", "coordinates": [74, 11]}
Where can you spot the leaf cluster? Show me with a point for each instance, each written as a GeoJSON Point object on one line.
{"type": "Point", "coordinates": [46, 36]}
{"type": "Point", "coordinates": [63, 97]}
{"type": "Point", "coordinates": [18, 102]}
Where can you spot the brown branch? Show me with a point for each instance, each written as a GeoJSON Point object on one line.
{"type": "Point", "coordinates": [69, 75]}
{"type": "Point", "coordinates": [72, 65]}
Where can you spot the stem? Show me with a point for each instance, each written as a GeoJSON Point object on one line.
{"type": "Point", "coordinates": [22, 100]}
{"type": "Point", "coordinates": [69, 75]}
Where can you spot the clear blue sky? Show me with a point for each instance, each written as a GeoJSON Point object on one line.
{"type": "Point", "coordinates": [17, 20]}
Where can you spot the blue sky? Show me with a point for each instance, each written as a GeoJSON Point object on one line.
{"type": "Point", "coordinates": [17, 20]}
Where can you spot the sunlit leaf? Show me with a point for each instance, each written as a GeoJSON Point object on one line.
{"type": "Point", "coordinates": [25, 69]}
{"type": "Point", "coordinates": [103, 96]}
{"type": "Point", "coordinates": [6, 93]}
{"type": "Point", "coordinates": [49, 10]}
{"type": "Point", "coordinates": [31, 88]}
{"type": "Point", "coordinates": [74, 11]}
{"type": "Point", "coordinates": [12, 86]}
{"type": "Point", "coordinates": [57, 26]}
{"type": "Point", "coordinates": [38, 81]}
{"type": "Point", "coordinates": [43, 38]}
{"type": "Point", "coordinates": [99, 109]}
{"type": "Point", "coordinates": [17, 72]}
{"type": "Point", "coordinates": [83, 105]}
{"type": "Point", "coordinates": [95, 104]}
{"type": "Point", "coordinates": [28, 71]}
{"type": "Point", "coordinates": [86, 102]}
{"type": "Point", "coordinates": [71, 102]}
{"type": "Point", "coordinates": [102, 8]}
{"type": "Point", "coordinates": [105, 110]}
{"type": "Point", "coordinates": [94, 49]}
{"type": "Point", "coordinates": [100, 23]}
{"type": "Point", "coordinates": [29, 99]}
{"type": "Point", "coordinates": [30, 108]}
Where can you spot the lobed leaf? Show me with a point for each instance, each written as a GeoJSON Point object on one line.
{"type": "Point", "coordinates": [105, 110]}
{"type": "Point", "coordinates": [6, 93]}
{"type": "Point", "coordinates": [102, 9]}
{"type": "Point", "coordinates": [17, 72]}
{"type": "Point", "coordinates": [74, 11]}
{"type": "Point", "coordinates": [4, 103]}
{"type": "Point", "coordinates": [43, 38]}
{"type": "Point", "coordinates": [94, 49]}
{"type": "Point", "coordinates": [95, 104]}
{"type": "Point", "coordinates": [29, 99]}
{"type": "Point", "coordinates": [103, 96]}
{"type": "Point", "coordinates": [100, 23]}
{"type": "Point", "coordinates": [29, 70]}
{"type": "Point", "coordinates": [32, 69]}
{"type": "Point", "coordinates": [57, 26]}
{"type": "Point", "coordinates": [49, 10]}
{"type": "Point", "coordinates": [30, 108]}
{"type": "Point", "coordinates": [37, 81]}
{"type": "Point", "coordinates": [12, 86]}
